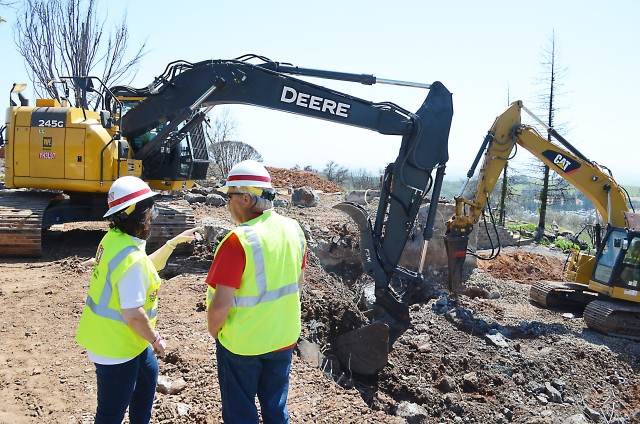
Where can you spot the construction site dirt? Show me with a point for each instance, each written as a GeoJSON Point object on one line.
{"type": "Point", "coordinates": [490, 356]}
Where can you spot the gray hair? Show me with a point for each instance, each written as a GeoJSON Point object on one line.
{"type": "Point", "coordinates": [260, 204]}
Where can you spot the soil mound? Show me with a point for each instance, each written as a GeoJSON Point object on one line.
{"type": "Point", "coordinates": [283, 177]}
{"type": "Point", "coordinates": [524, 266]}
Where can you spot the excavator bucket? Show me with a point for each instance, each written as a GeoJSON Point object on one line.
{"type": "Point", "coordinates": [385, 298]}
{"type": "Point", "coordinates": [366, 348]}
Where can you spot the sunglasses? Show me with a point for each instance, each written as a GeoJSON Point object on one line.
{"type": "Point", "coordinates": [154, 212]}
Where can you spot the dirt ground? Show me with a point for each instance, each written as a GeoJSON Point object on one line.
{"type": "Point", "coordinates": [494, 358]}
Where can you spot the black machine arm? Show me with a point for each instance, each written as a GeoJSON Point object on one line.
{"type": "Point", "coordinates": [184, 88]}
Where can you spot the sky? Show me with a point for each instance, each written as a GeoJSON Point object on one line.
{"type": "Point", "coordinates": [487, 54]}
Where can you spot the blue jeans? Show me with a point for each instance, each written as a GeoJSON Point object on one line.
{"type": "Point", "coordinates": [131, 384]}
{"type": "Point", "coordinates": [241, 378]}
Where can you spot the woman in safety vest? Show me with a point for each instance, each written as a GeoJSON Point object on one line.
{"type": "Point", "coordinates": [117, 326]}
{"type": "Point", "coordinates": [253, 300]}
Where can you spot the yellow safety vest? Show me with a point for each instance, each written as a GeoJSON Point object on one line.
{"type": "Point", "coordinates": [265, 312]}
{"type": "Point", "coordinates": [102, 329]}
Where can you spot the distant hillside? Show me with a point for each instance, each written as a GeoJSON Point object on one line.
{"type": "Point", "coordinates": [524, 190]}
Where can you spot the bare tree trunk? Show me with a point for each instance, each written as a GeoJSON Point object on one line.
{"type": "Point", "coordinates": [503, 196]}
{"type": "Point", "coordinates": [543, 205]}
{"type": "Point", "coordinates": [550, 100]}
{"type": "Point", "coordinates": [61, 38]}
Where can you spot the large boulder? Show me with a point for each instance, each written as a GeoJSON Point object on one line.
{"type": "Point", "coordinates": [305, 197]}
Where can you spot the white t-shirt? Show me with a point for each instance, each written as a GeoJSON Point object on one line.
{"type": "Point", "coordinates": [132, 291]}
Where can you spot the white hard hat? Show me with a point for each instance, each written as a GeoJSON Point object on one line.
{"type": "Point", "coordinates": [126, 191]}
{"type": "Point", "coordinates": [247, 173]}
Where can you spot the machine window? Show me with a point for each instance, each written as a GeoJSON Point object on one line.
{"type": "Point", "coordinates": [607, 261]}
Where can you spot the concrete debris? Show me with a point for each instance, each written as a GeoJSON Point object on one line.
{"type": "Point", "coordinates": [215, 200]}
{"type": "Point", "coordinates": [311, 353]}
{"type": "Point", "coordinates": [496, 338]}
{"type": "Point", "coordinates": [305, 197]}
{"type": "Point", "coordinates": [413, 413]}
{"type": "Point", "coordinates": [169, 387]}
{"type": "Point", "coordinates": [195, 198]}
{"type": "Point", "coordinates": [553, 394]}
{"type": "Point", "coordinates": [361, 197]}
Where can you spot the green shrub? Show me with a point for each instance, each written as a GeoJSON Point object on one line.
{"type": "Point", "coordinates": [517, 226]}
{"type": "Point", "coordinates": [565, 244]}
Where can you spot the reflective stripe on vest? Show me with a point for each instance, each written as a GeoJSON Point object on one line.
{"type": "Point", "coordinates": [102, 307]}
{"type": "Point", "coordinates": [102, 329]}
{"type": "Point", "coordinates": [263, 295]}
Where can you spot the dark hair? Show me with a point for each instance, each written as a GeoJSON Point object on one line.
{"type": "Point", "coordinates": [134, 224]}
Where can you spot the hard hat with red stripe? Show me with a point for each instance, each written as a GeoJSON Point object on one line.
{"type": "Point", "coordinates": [248, 173]}
{"type": "Point", "coordinates": [127, 191]}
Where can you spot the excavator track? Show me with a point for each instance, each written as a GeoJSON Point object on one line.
{"type": "Point", "coordinates": [174, 217]}
{"type": "Point", "coordinates": [560, 295]}
{"type": "Point", "coordinates": [614, 318]}
{"type": "Point", "coordinates": [21, 222]}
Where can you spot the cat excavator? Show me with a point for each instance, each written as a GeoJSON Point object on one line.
{"type": "Point", "coordinates": [61, 160]}
{"type": "Point", "coordinates": [604, 283]}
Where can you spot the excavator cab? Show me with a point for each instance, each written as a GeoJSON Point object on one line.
{"type": "Point", "coordinates": [178, 158]}
{"type": "Point", "coordinates": [617, 264]}
{"type": "Point", "coordinates": [630, 270]}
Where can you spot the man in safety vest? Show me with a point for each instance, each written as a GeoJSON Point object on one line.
{"type": "Point", "coordinates": [253, 299]}
{"type": "Point", "coordinates": [117, 326]}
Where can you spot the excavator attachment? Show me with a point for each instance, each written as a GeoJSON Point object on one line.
{"type": "Point", "coordinates": [156, 133]}
{"type": "Point", "coordinates": [371, 343]}
{"type": "Point", "coordinates": [405, 184]}
{"type": "Point", "coordinates": [456, 255]}
{"type": "Point", "coordinates": [385, 296]}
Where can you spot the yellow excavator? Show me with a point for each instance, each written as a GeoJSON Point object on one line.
{"type": "Point", "coordinates": [61, 161]}
{"type": "Point", "coordinates": [604, 283]}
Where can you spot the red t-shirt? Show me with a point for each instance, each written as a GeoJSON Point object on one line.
{"type": "Point", "coordinates": [228, 265]}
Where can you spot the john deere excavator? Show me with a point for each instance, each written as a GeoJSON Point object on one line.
{"type": "Point", "coordinates": [605, 284]}
{"type": "Point", "coordinates": [72, 155]}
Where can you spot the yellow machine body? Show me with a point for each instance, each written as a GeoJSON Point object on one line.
{"type": "Point", "coordinates": [62, 148]}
